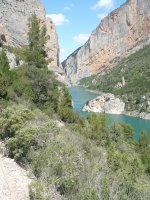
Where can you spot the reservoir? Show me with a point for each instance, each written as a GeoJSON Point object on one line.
{"type": "Point", "coordinates": [81, 95]}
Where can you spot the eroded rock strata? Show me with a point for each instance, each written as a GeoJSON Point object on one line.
{"type": "Point", "coordinates": [121, 33]}
{"type": "Point", "coordinates": [14, 15]}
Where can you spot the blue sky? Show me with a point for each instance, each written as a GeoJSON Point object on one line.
{"type": "Point", "coordinates": [75, 20]}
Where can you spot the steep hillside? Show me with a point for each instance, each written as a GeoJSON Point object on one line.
{"type": "Point", "coordinates": [14, 17]}
{"type": "Point", "coordinates": [69, 157]}
{"type": "Point", "coordinates": [130, 79]}
{"type": "Point", "coordinates": [121, 33]}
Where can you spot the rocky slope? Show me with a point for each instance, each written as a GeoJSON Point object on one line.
{"type": "Point", "coordinates": [13, 180]}
{"type": "Point", "coordinates": [106, 103]}
{"type": "Point", "coordinates": [14, 16]}
{"type": "Point", "coordinates": [121, 33]}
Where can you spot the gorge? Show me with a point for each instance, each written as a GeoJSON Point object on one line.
{"type": "Point", "coordinates": [49, 148]}
{"type": "Point", "coordinates": [121, 33]}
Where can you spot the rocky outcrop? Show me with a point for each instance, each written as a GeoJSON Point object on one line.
{"type": "Point", "coordinates": [60, 74]}
{"type": "Point", "coordinates": [14, 15]}
{"type": "Point", "coordinates": [120, 34]}
{"type": "Point", "coordinates": [106, 103]}
{"type": "Point", "coordinates": [120, 84]}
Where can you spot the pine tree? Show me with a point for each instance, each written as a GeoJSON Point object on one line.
{"type": "Point", "coordinates": [143, 141]}
{"type": "Point", "coordinates": [4, 74]}
{"type": "Point", "coordinates": [4, 64]}
{"type": "Point", "coordinates": [36, 53]}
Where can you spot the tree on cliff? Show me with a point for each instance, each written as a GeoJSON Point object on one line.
{"type": "Point", "coordinates": [4, 74]}
{"type": "Point", "coordinates": [35, 54]}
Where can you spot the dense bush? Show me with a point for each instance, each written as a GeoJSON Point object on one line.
{"type": "Point", "coordinates": [4, 74]}
{"type": "Point", "coordinates": [72, 164]}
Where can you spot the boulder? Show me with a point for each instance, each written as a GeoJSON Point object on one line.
{"type": "Point", "coordinates": [106, 103]}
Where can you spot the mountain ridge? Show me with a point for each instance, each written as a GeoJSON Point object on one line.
{"type": "Point", "coordinates": [121, 33]}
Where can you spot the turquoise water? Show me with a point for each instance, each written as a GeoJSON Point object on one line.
{"type": "Point", "coordinates": [80, 96]}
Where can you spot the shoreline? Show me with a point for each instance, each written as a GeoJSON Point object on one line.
{"type": "Point", "coordinates": [131, 114]}
{"type": "Point", "coordinates": [86, 88]}
{"type": "Point", "coordinates": [126, 113]}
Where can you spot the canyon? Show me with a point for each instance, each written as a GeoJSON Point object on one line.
{"type": "Point", "coordinates": [120, 34]}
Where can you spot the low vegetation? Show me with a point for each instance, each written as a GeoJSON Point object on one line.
{"type": "Point", "coordinates": [70, 157]}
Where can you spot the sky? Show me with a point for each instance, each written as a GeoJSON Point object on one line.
{"type": "Point", "coordinates": [76, 19]}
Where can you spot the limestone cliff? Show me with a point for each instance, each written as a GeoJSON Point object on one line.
{"type": "Point", "coordinates": [14, 16]}
{"type": "Point", "coordinates": [121, 33]}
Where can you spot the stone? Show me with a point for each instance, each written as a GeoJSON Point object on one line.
{"type": "Point", "coordinates": [144, 115]}
{"type": "Point", "coordinates": [120, 84]}
{"type": "Point", "coordinates": [121, 33]}
{"type": "Point", "coordinates": [60, 75]}
{"type": "Point", "coordinates": [106, 103]}
{"type": "Point", "coordinates": [13, 62]}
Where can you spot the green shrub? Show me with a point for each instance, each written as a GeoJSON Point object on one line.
{"type": "Point", "coordinates": [12, 119]}
{"type": "Point", "coordinates": [68, 115]}
{"type": "Point", "coordinates": [97, 126]}
{"type": "Point", "coordinates": [36, 191]}
{"type": "Point", "coordinates": [20, 127]}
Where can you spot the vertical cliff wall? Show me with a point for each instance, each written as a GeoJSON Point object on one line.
{"type": "Point", "coordinates": [121, 33]}
{"type": "Point", "coordinates": [14, 15]}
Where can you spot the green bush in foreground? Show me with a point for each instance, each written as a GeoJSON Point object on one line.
{"type": "Point", "coordinates": [74, 165]}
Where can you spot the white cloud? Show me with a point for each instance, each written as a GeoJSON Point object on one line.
{"type": "Point", "coordinates": [62, 50]}
{"type": "Point", "coordinates": [67, 8]}
{"type": "Point", "coordinates": [58, 19]}
{"type": "Point", "coordinates": [81, 38]}
{"type": "Point", "coordinates": [62, 54]}
{"type": "Point", "coordinates": [108, 4]}
{"type": "Point", "coordinates": [102, 15]}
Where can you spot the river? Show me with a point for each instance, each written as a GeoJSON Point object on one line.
{"type": "Point", "coordinates": [81, 95]}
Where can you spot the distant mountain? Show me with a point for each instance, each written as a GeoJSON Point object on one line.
{"type": "Point", "coordinates": [130, 80]}
{"type": "Point", "coordinates": [121, 33]}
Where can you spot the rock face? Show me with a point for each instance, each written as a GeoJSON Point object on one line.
{"type": "Point", "coordinates": [120, 34]}
{"type": "Point", "coordinates": [106, 103]}
{"type": "Point", "coordinates": [61, 76]}
{"type": "Point", "coordinates": [14, 15]}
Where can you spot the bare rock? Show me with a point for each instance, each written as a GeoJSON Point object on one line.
{"type": "Point", "coordinates": [144, 115]}
{"type": "Point", "coordinates": [121, 33]}
{"type": "Point", "coordinates": [120, 84]}
{"type": "Point", "coordinates": [60, 75]}
{"type": "Point", "coordinates": [106, 103]}
{"type": "Point", "coordinates": [13, 61]}
{"type": "Point", "coordinates": [13, 180]}
{"type": "Point", "coordinates": [14, 15]}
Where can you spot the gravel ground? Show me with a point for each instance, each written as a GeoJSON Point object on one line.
{"type": "Point", "coordinates": [13, 180]}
